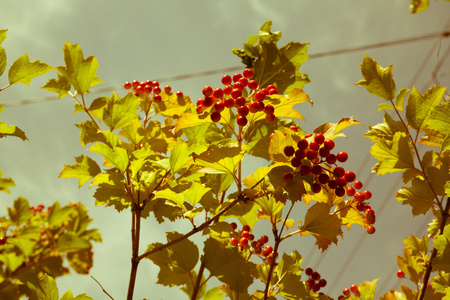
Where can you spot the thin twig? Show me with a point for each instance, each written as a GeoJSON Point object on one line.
{"type": "Point", "coordinates": [104, 291]}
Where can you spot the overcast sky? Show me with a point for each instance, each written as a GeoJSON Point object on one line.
{"type": "Point", "coordinates": [158, 39]}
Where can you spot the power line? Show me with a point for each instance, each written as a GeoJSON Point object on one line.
{"type": "Point", "coordinates": [443, 34]}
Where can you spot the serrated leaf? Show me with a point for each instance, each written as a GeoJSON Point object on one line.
{"type": "Point", "coordinates": [172, 105]}
{"type": "Point", "coordinates": [188, 120]}
{"type": "Point", "coordinates": [172, 196]}
{"type": "Point", "coordinates": [22, 70]}
{"type": "Point", "coordinates": [116, 156]}
{"type": "Point", "coordinates": [433, 138]}
{"type": "Point", "coordinates": [377, 80]}
{"type": "Point", "coordinates": [69, 296]}
{"type": "Point", "coordinates": [441, 282]}
{"type": "Point", "coordinates": [227, 265]}
{"type": "Point", "coordinates": [270, 208]}
{"type": "Point", "coordinates": [439, 118]}
{"type": "Point", "coordinates": [111, 190]}
{"type": "Point", "coordinates": [89, 133]}
{"type": "Point", "coordinates": [350, 216]}
{"type": "Point", "coordinates": [61, 86]}
{"type": "Point", "coordinates": [419, 196]}
{"type": "Point", "coordinates": [20, 212]}
{"type": "Point", "coordinates": [439, 176]}
{"type": "Point", "coordinates": [85, 169]}
{"type": "Point", "coordinates": [79, 71]}
{"type": "Point", "coordinates": [435, 224]}
{"type": "Point", "coordinates": [420, 106]}
{"type": "Point", "coordinates": [41, 289]}
{"type": "Point", "coordinates": [385, 130]}
{"type": "Point", "coordinates": [70, 241]}
{"type": "Point", "coordinates": [331, 130]}
{"type": "Point", "coordinates": [195, 193]}
{"type": "Point", "coordinates": [442, 245]}
{"type": "Point", "coordinates": [411, 264]}
{"type": "Point", "coordinates": [323, 226]}
{"type": "Point", "coordinates": [393, 156]}
{"type": "Point", "coordinates": [120, 112]}
{"type": "Point", "coordinates": [220, 159]}
{"type": "Point", "coordinates": [5, 183]}
{"type": "Point", "coordinates": [57, 215]}
{"type": "Point", "coordinates": [11, 130]}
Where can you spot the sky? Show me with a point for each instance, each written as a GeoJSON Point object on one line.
{"type": "Point", "coordinates": [161, 39]}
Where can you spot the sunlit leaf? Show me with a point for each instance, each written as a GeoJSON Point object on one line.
{"type": "Point", "coordinates": [2, 60]}
{"type": "Point", "coordinates": [22, 70]}
{"type": "Point", "coordinates": [400, 98]}
{"type": "Point", "coordinates": [85, 169]}
{"type": "Point", "coordinates": [442, 245]}
{"type": "Point", "coordinates": [441, 282]}
{"type": "Point", "coordinates": [171, 105]}
{"type": "Point", "coordinates": [419, 196]}
{"type": "Point", "coordinates": [116, 156]}
{"type": "Point", "coordinates": [11, 130]}
{"type": "Point", "coordinates": [331, 130]}
{"type": "Point", "coordinates": [69, 296]}
{"type": "Point", "coordinates": [377, 80]}
{"type": "Point", "coordinates": [420, 106]}
{"type": "Point", "coordinates": [221, 159]}
{"type": "Point", "coordinates": [40, 289]}
{"type": "Point", "coordinates": [5, 184]}
{"type": "Point", "coordinates": [179, 156]}
{"type": "Point", "coordinates": [61, 86]}
{"type": "Point", "coordinates": [439, 118]}
{"type": "Point", "coordinates": [418, 6]}
{"type": "Point", "coordinates": [120, 112]}
{"type": "Point", "coordinates": [367, 289]}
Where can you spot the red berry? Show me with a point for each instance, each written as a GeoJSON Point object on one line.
{"type": "Point", "coordinates": [328, 144]}
{"type": "Point", "coordinates": [199, 108]}
{"type": "Point", "coordinates": [155, 83]}
{"type": "Point", "coordinates": [324, 152]}
{"type": "Point", "coordinates": [359, 197]}
{"type": "Point", "coordinates": [350, 191]}
{"type": "Point", "coordinates": [308, 271]}
{"type": "Point", "coordinates": [243, 111]}
{"type": "Point", "coordinates": [346, 292]}
{"type": "Point", "coordinates": [360, 206]}
{"type": "Point", "coordinates": [323, 178]}
{"type": "Point", "coordinates": [236, 93]}
{"type": "Point", "coordinates": [167, 89]}
{"type": "Point", "coordinates": [357, 185]}
{"type": "Point", "coordinates": [273, 92]}
{"type": "Point", "coordinates": [322, 282]}
{"type": "Point", "coordinates": [341, 182]}
{"type": "Point", "coordinates": [400, 274]}
{"type": "Point", "coordinates": [289, 150]}
{"type": "Point", "coordinates": [267, 250]}
{"type": "Point", "coordinates": [259, 96]}
{"type": "Point", "coordinates": [370, 219]}
{"type": "Point", "coordinates": [367, 195]}
{"type": "Point", "coordinates": [315, 287]}
{"type": "Point", "coordinates": [208, 101]}
{"type": "Point", "coordinates": [315, 276]}
{"type": "Point", "coordinates": [227, 90]}
{"type": "Point", "coordinates": [157, 98]}
{"type": "Point", "coordinates": [350, 176]}
{"type": "Point", "coordinates": [288, 177]}
{"type": "Point", "coordinates": [311, 154]}
{"type": "Point", "coordinates": [332, 184]}
{"type": "Point", "coordinates": [233, 225]}
{"type": "Point", "coordinates": [338, 172]}
{"type": "Point", "coordinates": [292, 127]}
{"type": "Point", "coordinates": [316, 188]}
{"type": "Point", "coordinates": [229, 102]}
{"type": "Point", "coordinates": [300, 154]}
{"type": "Point", "coordinates": [157, 90]}
{"type": "Point", "coordinates": [219, 106]}
{"type": "Point", "coordinates": [253, 84]}
{"type": "Point", "coordinates": [370, 229]}
{"type": "Point", "coordinates": [269, 109]}
{"type": "Point", "coordinates": [2, 240]}
{"type": "Point", "coordinates": [218, 93]}
{"type": "Point", "coordinates": [135, 84]}
{"type": "Point", "coordinates": [342, 156]}
{"type": "Point", "coordinates": [319, 138]}
{"type": "Point", "coordinates": [215, 116]}
{"type": "Point", "coordinates": [236, 77]}
{"type": "Point", "coordinates": [305, 170]}
{"type": "Point", "coordinates": [127, 85]}
{"type": "Point", "coordinates": [242, 121]}
{"type": "Point", "coordinates": [354, 289]}
{"type": "Point", "coordinates": [243, 241]}
{"type": "Point", "coordinates": [331, 159]}
{"type": "Point", "coordinates": [243, 81]}
{"type": "Point", "coordinates": [234, 241]}
{"type": "Point", "coordinates": [179, 94]}
{"type": "Point", "coordinates": [339, 191]}
{"type": "Point", "coordinates": [314, 146]}
{"type": "Point", "coordinates": [302, 144]}
{"type": "Point", "coordinates": [240, 101]}
{"type": "Point", "coordinates": [296, 162]}
{"type": "Point", "coordinates": [245, 234]}
{"type": "Point", "coordinates": [248, 73]}
{"type": "Point", "coordinates": [270, 118]}
{"type": "Point", "coordinates": [226, 79]}
{"type": "Point", "coordinates": [207, 91]}
{"type": "Point", "coordinates": [239, 85]}
{"type": "Point", "coordinates": [316, 170]}
{"type": "Point", "coordinates": [264, 239]}
{"type": "Point", "coordinates": [246, 228]}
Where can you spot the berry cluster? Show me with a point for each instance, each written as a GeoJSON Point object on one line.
{"type": "Point", "coordinates": [231, 95]}
{"type": "Point", "coordinates": [353, 289]}
{"type": "Point", "coordinates": [149, 88]}
{"type": "Point", "coordinates": [313, 156]}
{"type": "Point", "coordinates": [315, 282]}
{"type": "Point", "coordinates": [39, 208]}
{"type": "Point", "coordinates": [244, 239]}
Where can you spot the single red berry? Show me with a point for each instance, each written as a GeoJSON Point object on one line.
{"type": "Point", "coordinates": [324, 152]}
{"type": "Point", "coordinates": [357, 185]}
{"type": "Point", "coordinates": [242, 121]}
{"type": "Point", "coordinates": [311, 154]}
{"type": "Point", "coordinates": [243, 241]}
{"type": "Point", "coordinates": [207, 91]}
{"type": "Point", "coordinates": [157, 98]}
{"type": "Point", "coordinates": [355, 290]}
{"type": "Point", "coordinates": [229, 102]}
{"type": "Point", "coordinates": [245, 234]}
{"type": "Point", "coordinates": [331, 159]}
{"type": "Point", "coordinates": [226, 79]}
{"type": "Point", "coordinates": [251, 237]}
{"type": "Point", "coordinates": [360, 197]}
{"type": "Point", "coordinates": [215, 116]}
{"type": "Point", "coordinates": [135, 84]}
{"type": "Point", "coordinates": [267, 250]}
{"type": "Point", "coordinates": [259, 96]}
{"type": "Point", "coordinates": [316, 188]}
{"type": "Point", "coordinates": [199, 108]}
{"type": "Point", "coordinates": [350, 176]}
{"type": "Point", "coordinates": [248, 73]}
{"type": "Point", "coordinates": [289, 150]}
{"type": "Point", "coordinates": [316, 170]}
{"type": "Point", "coordinates": [219, 106]}
{"type": "Point", "coordinates": [264, 239]}
{"type": "Point", "coordinates": [270, 118]}
{"type": "Point", "coordinates": [127, 85]}
{"type": "Point", "coordinates": [240, 101]}
{"type": "Point", "coordinates": [227, 90]}
{"type": "Point", "coordinates": [236, 93]}
{"type": "Point", "coordinates": [314, 146]}
{"type": "Point", "coordinates": [269, 109]}
{"type": "Point", "coordinates": [234, 241]}
{"type": "Point", "coordinates": [243, 81]}
{"type": "Point", "coordinates": [322, 282]}
{"type": "Point", "coordinates": [273, 92]}
{"type": "Point", "coordinates": [328, 144]}
{"type": "Point", "coordinates": [305, 170]}
{"type": "Point", "coordinates": [155, 83]}
{"type": "Point", "coordinates": [319, 138]}
{"type": "Point", "coordinates": [239, 86]}
{"type": "Point", "coordinates": [341, 182]}
{"type": "Point", "coordinates": [369, 211]}
{"type": "Point", "coordinates": [300, 154]}
{"type": "Point", "coordinates": [339, 191]}
{"type": "Point", "coordinates": [332, 184]}
{"type": "Point", "coordinates": [179, 94]}
{"type": "Point", "coordinates": [253, 84]}
{"type": "Point", "coordinates": [367, 195]}
{"type": "Point", "coordinates": [341, 297]}
{"type": "Point", "coordinates": [315, 287]}
{"type": "Point", "coordinates": [324, 178]}
{"type": "Point", "coordinates": [310, 282]}
{"type": "Point", "coordinates": [233, 225]}
{"type": "Point", "coordinates": [2, 240]}
{"type": "Point", "coordinates": [342, 156]}
{"type": "Point", "coordinates": [296, 162]}
{"type": "Point", "coordinates": [218, 93]}
{"type": "Point", "coordinates": [338, 172]}
{"type": "Point", "coordinates": [288, 177]}
{"type": "Point", "coordinates": [350, 191]}
{"type": "Point", "coordinates": [167, 89]}
{"type": "Point", "coordinates": [370, 219]}
{"type": "Point", "coordinates": [246, 228]}
{"type": "Point", "coordinates": [360, 206]}
{"type": "Point", "coordinates": [308, 271]}
{"type": "Point", "coordinates": [370, 229]}
{"type": "Point", "coordinates": [315, 276]}
{"type": "Point", "coordinates": [208, 101]}
{"type": "Point", "coordinates": [293, 127]}
{"type": "Point", "coordinates": [236, 77]}
{"type": "Point", "coordinates": [243, 111]}
{"type": "Point", "coordinates": [157, 90]}
{"type": "Point", "coordinates": [346, 292]}
{"type": "Point", "coordinates": [400, 274]}
{"type": "Point", "coordinates": [302, 144]}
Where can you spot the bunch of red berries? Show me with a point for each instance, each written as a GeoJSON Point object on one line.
{"type": "Point", "coordinates": [314, 282]}
{"type": "Point", "coordinates": [244, 239]}
{"type": "Point", "coordinates": [353, 289]}
{"type": "Point", "coordinates": [313, 156]}
{"type": "Point", "coordinates": [149, 88]}
{"type": "Point", "coordinates": [231, 95]}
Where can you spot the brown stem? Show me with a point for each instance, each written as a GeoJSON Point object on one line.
{"type": "Point", "coordinates": [198, 282]}
{"type": "Point", "coordinates": [429, 269]}
{"type": "Point", "coordinates": [135, 232]}
{"type": "Point", "coordinates": [5, 87]}
{"type": "Point", "coordinates": [104, 291]}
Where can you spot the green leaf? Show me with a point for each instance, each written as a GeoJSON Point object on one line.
{"type": "Point", "coordinates": [134, 132]}
{"type": "Point", "coordinates": [418, 6]}
{"type": "Point", "coordinates": [20, 213]}
{"type": "Point", "coordinates": [61, 86]}
{"type": "Point", "coordinates": [382, 106]}
{"type": "Point", "coordinates": [227, 265]}
{"type": "Point", "coordinates": [179, 156]}
{"type": "Point", "coordinates": [120, 112]}
{"type": "Point", "coordinates": [69, 241]}
{"type": "Point", "coordinates": [393, 156]}
{"type": "Point", "coordinates": [2, 60]}
{"type": "Point", "coordinates": [171, 105]}
{"type": "Point", "coordinates": [11, 130]}
{"type": "Point", "coordinates": [172, 196]}
{"type": "Point", "coordinates": [57, 215]}
{"type": "Point", "coordinates": [442, 245]}
{"type": "Point", "coordinates": [85, 169]}
{"type": "Point", "coordinates": [111, 190]}
{"type": "Point", "coordinates": [419, 246]}
{"type": "Point", "coordinates": [385, 130]}
{"type": "Point", "coordinates": [220, 159]}
{"type": "Point", "coordinates": [419, 196]}
{"type": "Point", "coordinates": [440, 118]}
{"type": "Point", "coordinates": [188, 120]}
{"type": "Point", "coordinates": [367, 289]}
{"type": "Point", "coordinates": [175, 262]}
{"type": "Point", "coordinates": [89, 133]}
{"type": "Point", "coordinates": [441, 282]}
{"type": "Point", "coordinates": [69, 296]}
{"type": "Point", "coordinates": [22, 70]}
{"type": "Point", "coordinates": [116, 156]}
{"type": "Point", "coordinates": [5, 183]}
{"type": "Point", "coordinates": [377, 80]}
{"type": "Point", "coordinates": [195, 193]}
{"type": "Point", "coordinates": [331, 130]}
{"type": "Point", "coordinates": [3, 35]}
{"type": "Point", "coordinates": [40, 289]}
{"type": "Point", "coordinates": [400, 98]}
{"type": "Point", "coordinates": [420, 106]}
{"type": "Point", "coordinates": [79, 71]}
{"type": "Point", "coordinates": [323, 226]}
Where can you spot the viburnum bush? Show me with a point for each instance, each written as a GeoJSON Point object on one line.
{"type": "Point", "coordinates": [169, 158]}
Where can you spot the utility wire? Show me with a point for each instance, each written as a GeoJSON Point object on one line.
{"type": "Point", "coordinates": [239, 68]}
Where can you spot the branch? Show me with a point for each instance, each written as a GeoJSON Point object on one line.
{"type": "Point", "coordinates": [102, 288]}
